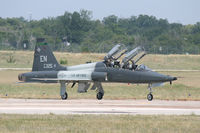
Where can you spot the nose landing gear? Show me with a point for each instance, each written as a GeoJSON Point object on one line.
{"type": "Point", "coordinates": [150, 96]}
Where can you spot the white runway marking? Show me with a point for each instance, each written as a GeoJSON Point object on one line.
{"type": "Point", "coordinates": [88, 106]}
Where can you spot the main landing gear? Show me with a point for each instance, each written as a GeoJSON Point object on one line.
{"type": "Point", "coordinates": [63, 92]}
{"type": "Point", "coordinates": [64, 96]}
{"type": "Point", "coordinates": [150, 96]}
{"type": "Point", "coordinates": [100, 91]}
{"type": "Point", "coordinates": [99, 95]}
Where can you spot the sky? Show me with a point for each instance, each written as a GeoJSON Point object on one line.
{"type": "Point", "coordinates": [178, 11]}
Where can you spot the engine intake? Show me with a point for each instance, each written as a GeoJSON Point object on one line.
{"type": "Point", "coordinates": [99, 76]}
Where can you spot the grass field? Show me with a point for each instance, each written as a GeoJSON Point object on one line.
{"type": "Point", "coordinates": [23, 59]}
{"type": "Point", "coordinates": [98, 124]}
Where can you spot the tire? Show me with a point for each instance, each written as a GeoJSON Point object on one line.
{"type": "Point", "coordinates": [99, 95]}
{"type": "Point", "coordinates": [65, 96]}
{"type": "Point", "coordinates": [149, 97]}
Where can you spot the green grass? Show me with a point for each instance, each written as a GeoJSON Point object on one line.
{"type": "Point", "coordinates": [24, 59]}
{"type": "Point", "coordinates": [98, 124]}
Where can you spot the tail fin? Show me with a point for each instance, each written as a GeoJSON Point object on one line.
{"type": "Point", "coordinates": [44, 60]}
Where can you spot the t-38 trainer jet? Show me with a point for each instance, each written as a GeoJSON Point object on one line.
{"type": "Point", "coordinates": [47, 70]}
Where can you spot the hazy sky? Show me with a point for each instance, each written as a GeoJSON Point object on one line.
{"type": "Point", "coordinates": [181, 11]}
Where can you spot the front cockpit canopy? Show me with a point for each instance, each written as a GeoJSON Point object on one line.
{"type": "Point", "coordinates": [142, 67]}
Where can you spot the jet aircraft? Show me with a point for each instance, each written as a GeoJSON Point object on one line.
{"type": "Point", "coordinates": [46, 69]}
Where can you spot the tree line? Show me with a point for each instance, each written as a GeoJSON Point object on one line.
{"type": "Point", "coordinates": [78, 32]}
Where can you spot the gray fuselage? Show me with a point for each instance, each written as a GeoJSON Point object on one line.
{"type": "Point", "coordinates": [93, 72]}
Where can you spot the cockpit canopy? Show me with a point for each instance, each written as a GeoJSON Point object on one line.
{"type": "Point", "coordinates": [142, 67]}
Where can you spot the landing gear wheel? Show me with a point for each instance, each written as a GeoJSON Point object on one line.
{"type": "Point", "coordinates": [149, 97]}
{"type": "Point", "coordinates": [64, 96]}
{"type": "Point", "coordinates": [99, 95]}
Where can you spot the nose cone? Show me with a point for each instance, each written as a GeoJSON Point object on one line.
{"type": "Point", "coordinates": [157, 77]}
{"type": "Point", "coordinates": [169, 78]}
{"type": "Point", "coordinates": [165, 78]}
{"type": "Point", "coordinates": [174, 78]}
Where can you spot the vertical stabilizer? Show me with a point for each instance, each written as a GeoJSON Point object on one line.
{"type": "Point", "coordinates": [44, 60]}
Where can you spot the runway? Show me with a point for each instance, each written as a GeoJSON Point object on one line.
{"type": "Point", "coordinates": [93, 106]}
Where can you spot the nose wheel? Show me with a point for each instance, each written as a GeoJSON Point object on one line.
{"type": "Point", "coordinates": [149, 97]}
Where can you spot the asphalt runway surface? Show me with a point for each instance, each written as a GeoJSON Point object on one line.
{"type": "Point", "coordinates": [93, 106]}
